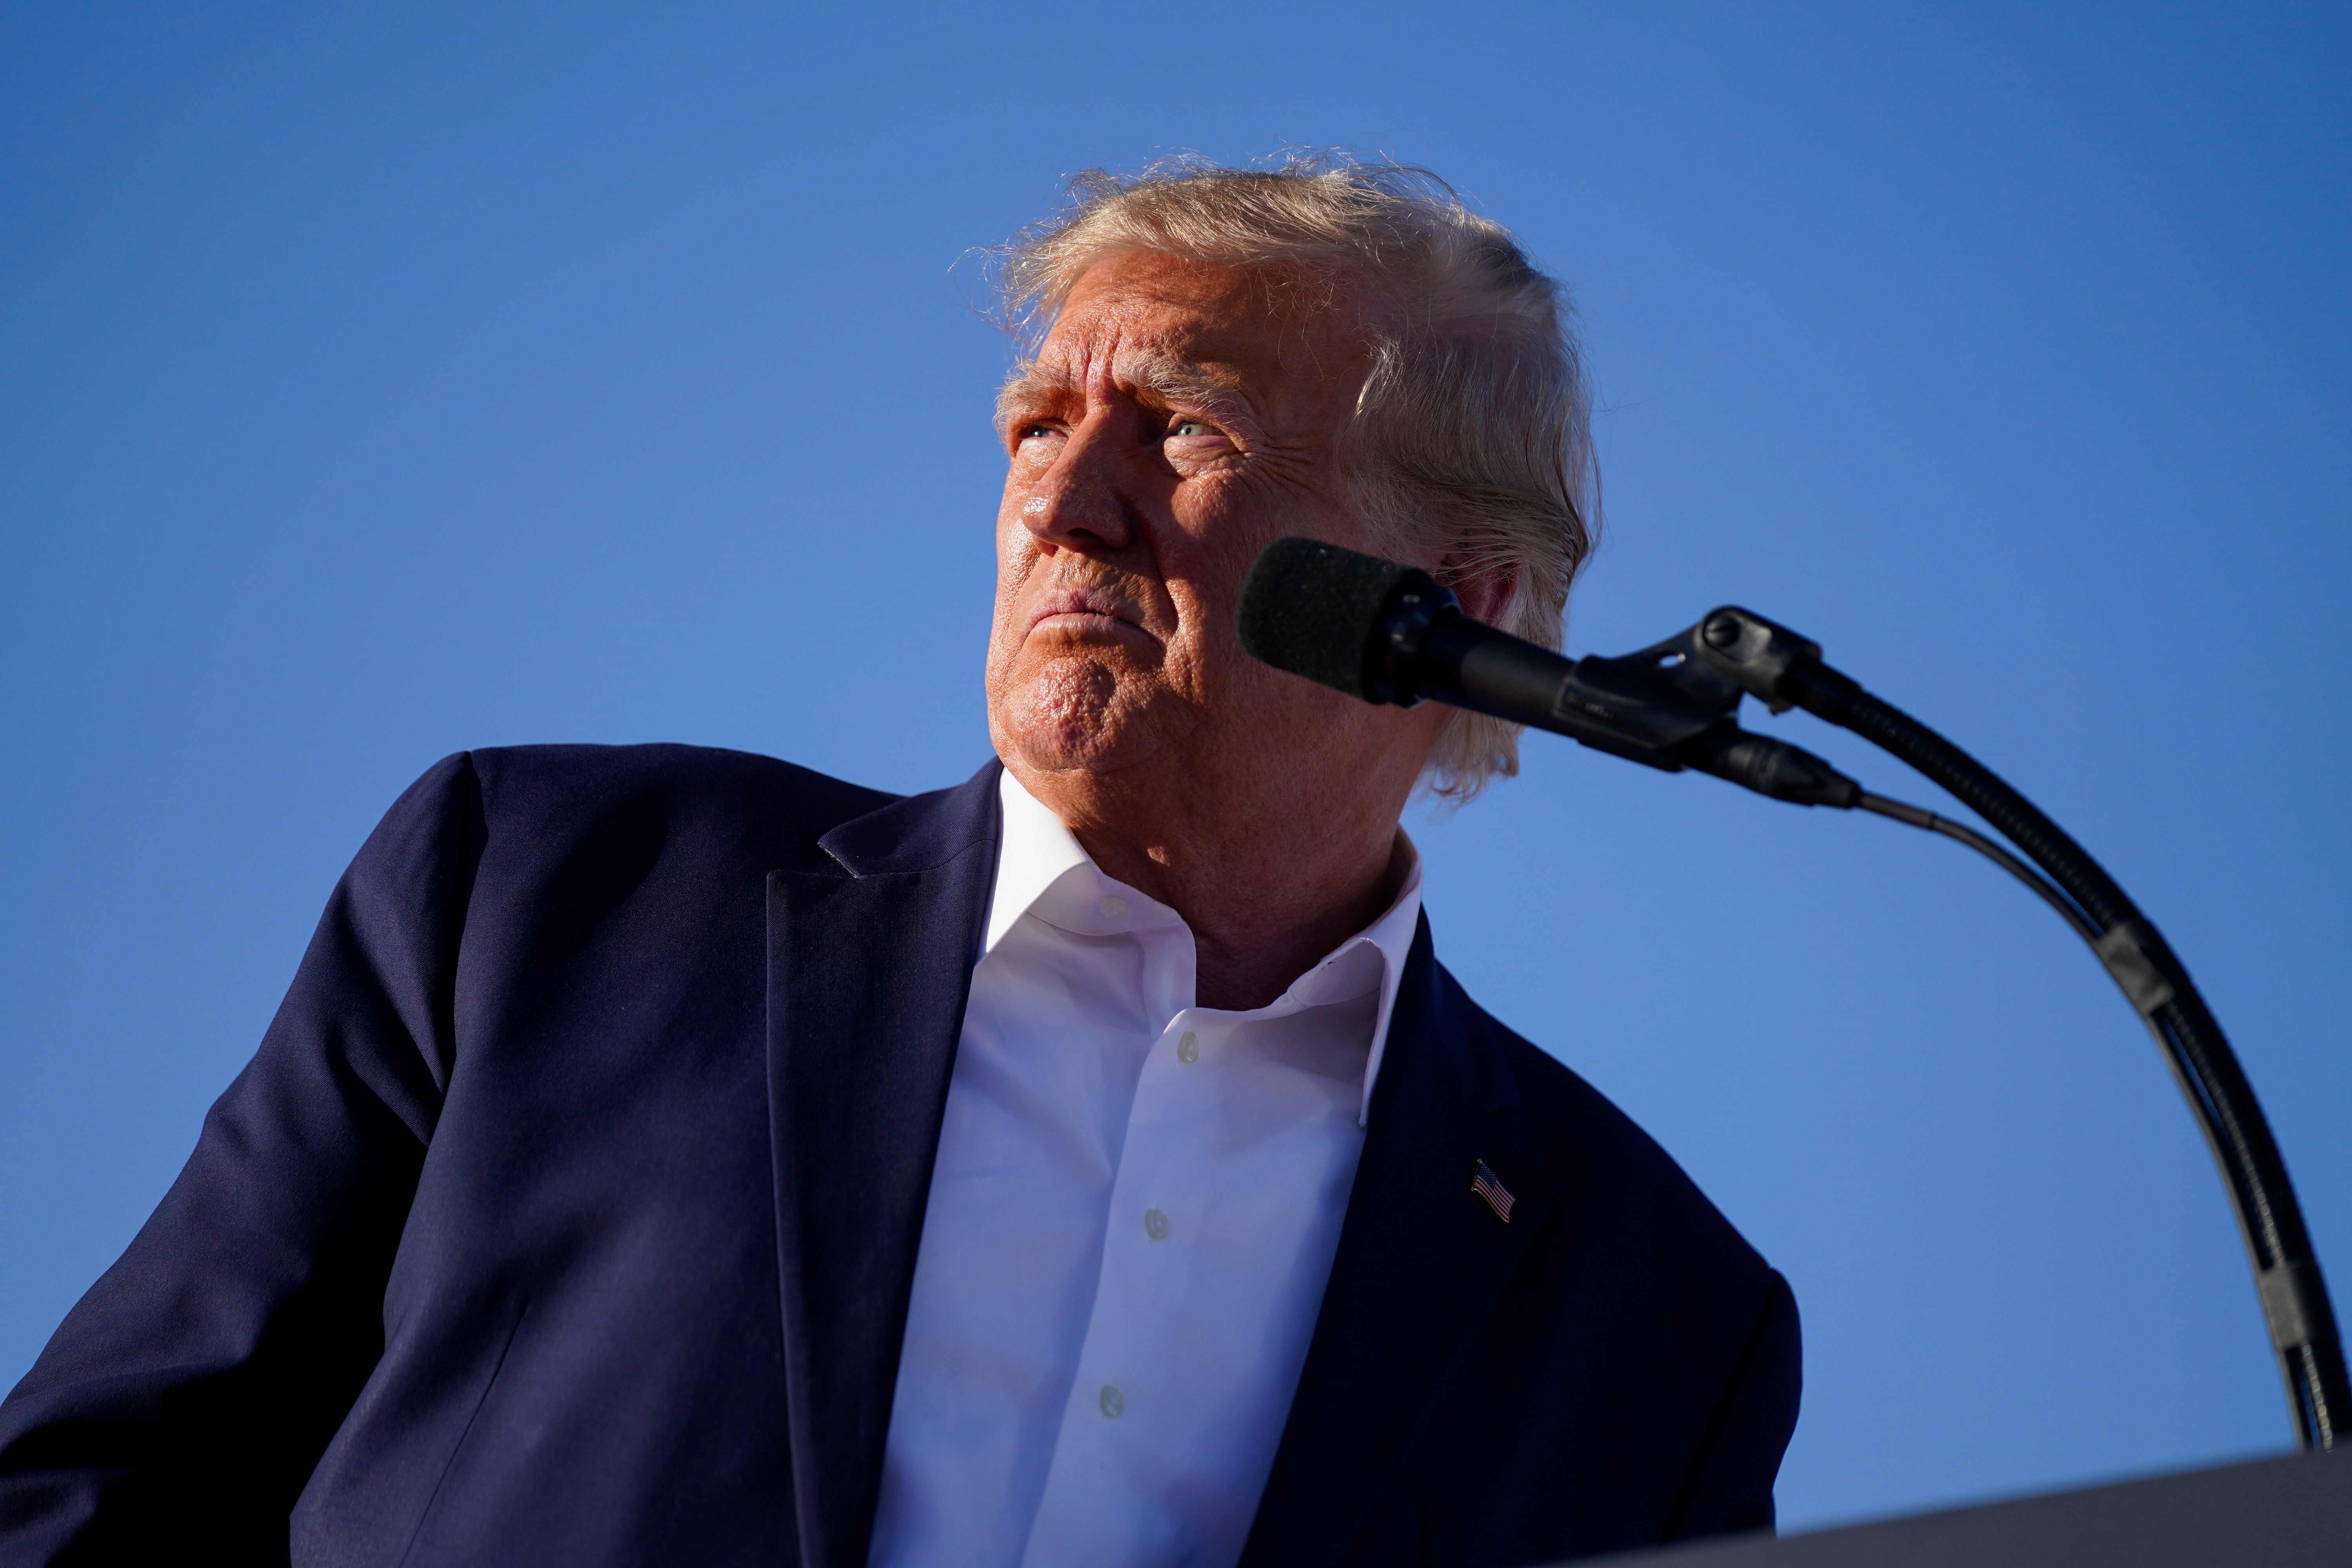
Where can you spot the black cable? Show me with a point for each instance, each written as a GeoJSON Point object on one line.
{"type": "Point", "coordinates": [1929, 821]}
{"type": "Point", "coordinates": [2287, 1275]}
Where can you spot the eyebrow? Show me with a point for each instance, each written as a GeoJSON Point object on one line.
{"type": "Point", "coordinates": [1170, 380]}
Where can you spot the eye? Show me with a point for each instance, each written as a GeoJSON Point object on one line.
{"type": "Point", "coordinates": [1191, 427]}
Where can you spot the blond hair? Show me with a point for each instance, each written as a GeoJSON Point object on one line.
{"type": "Point", "coordinates": [1473, 428]}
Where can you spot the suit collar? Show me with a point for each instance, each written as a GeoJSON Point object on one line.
{"type": "Point", "coordinates": [920, 832]}
{"type": "Point", "coordinates": [1421, 1260]}
{"type": "Point", "coordinates": [868, 970]}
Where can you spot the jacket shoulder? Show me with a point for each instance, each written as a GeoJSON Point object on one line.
{"type": "Point", "coordinates": [560, 792]}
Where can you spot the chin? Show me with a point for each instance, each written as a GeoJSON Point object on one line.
{"type": "Point", "coordinates": [1064, 743]}
{"type": "Point", "coordinates": [1075, 716]}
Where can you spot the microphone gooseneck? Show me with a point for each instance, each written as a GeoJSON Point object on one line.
{"type": "Point", "coordinates": [1386, 632]}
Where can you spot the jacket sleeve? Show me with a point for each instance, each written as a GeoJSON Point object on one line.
{"type": "Point", "coordinates": [1729, 1486]}
{"type": "Point", "coordinates": [179, 1410]}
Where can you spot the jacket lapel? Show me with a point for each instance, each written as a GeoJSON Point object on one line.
{"type": "Point", "coordinates": [1421, 1260]}
{"type": "Point", "coordinates": [868, 969]}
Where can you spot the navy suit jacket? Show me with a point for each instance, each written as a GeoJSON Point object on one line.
{"type": "Point", "coordinates": [569, 1210]}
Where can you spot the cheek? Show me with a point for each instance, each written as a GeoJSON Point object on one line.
{"type": "Point", "coordinates": [1204, 578]}
{"type": "Point", "coordinates": [1008, 524]}
{"type": "Point", "coordinates": [1225, 526]}
{"type": "Point", "coordinates": [1013, 560]}
{"type": "Point", "coordinates": [1016, 555]}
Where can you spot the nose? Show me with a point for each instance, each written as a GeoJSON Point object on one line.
{"type": "Point", "coordinates": [1081, 503]}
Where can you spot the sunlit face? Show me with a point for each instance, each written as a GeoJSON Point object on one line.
{"type": "Point", "coordinates": [1176, 420]}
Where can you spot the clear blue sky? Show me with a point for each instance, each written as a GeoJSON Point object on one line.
{"type": "Point", "coordinates": [382, 381]}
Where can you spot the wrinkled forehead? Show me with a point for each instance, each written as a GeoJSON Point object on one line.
{"type": "Point", "coordinates": [1165, 330]}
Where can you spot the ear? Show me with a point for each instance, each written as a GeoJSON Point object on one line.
{"type": "Point", "coordinates": [1489, 588]}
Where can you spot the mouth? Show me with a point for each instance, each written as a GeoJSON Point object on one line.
{"type": "Point", "coordinates": [1083, 611]}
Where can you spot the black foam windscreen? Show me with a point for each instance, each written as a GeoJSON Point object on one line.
{"type": "Point", "coordinates": [1313, 609]}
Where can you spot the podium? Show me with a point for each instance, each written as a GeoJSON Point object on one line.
{"type": "Point", "coordinates": [2293, 1512]}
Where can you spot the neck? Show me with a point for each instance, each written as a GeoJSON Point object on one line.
{"type": "Point", "coordinates": [1268, 879]}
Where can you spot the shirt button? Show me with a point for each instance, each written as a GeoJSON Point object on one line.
{"type": "Point", "coordinates": [1114, 908]}
{"type": "Point", "coordinates": [1155, 1224]}
{"type": "Point", "coordinates": [1113, 1402]}
{"type": "Point", "coordinates": [1188, 1049]}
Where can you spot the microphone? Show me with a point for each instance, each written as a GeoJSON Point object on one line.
{"type": "Point", "coordinates": [1390, 633]}
{"type": "Point", "coordinates": [1385, 632]}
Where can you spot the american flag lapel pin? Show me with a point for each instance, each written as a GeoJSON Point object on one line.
{"type": "Point", "coordinates": [1497, 1196]}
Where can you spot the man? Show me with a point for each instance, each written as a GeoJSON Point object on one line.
{"type": "Point", "coordinates": [675, 1156]}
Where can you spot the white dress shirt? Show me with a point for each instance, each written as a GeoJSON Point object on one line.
{"type": "Point", "coordinates": [1130, 1224]}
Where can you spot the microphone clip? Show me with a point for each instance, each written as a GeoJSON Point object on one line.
{"type": "Point", "coordinates": [1671, 706]}
{"type": "Point", "coordinates": [1652, 703]}
{"type": "Point", "coordinates": [1705, 670]}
